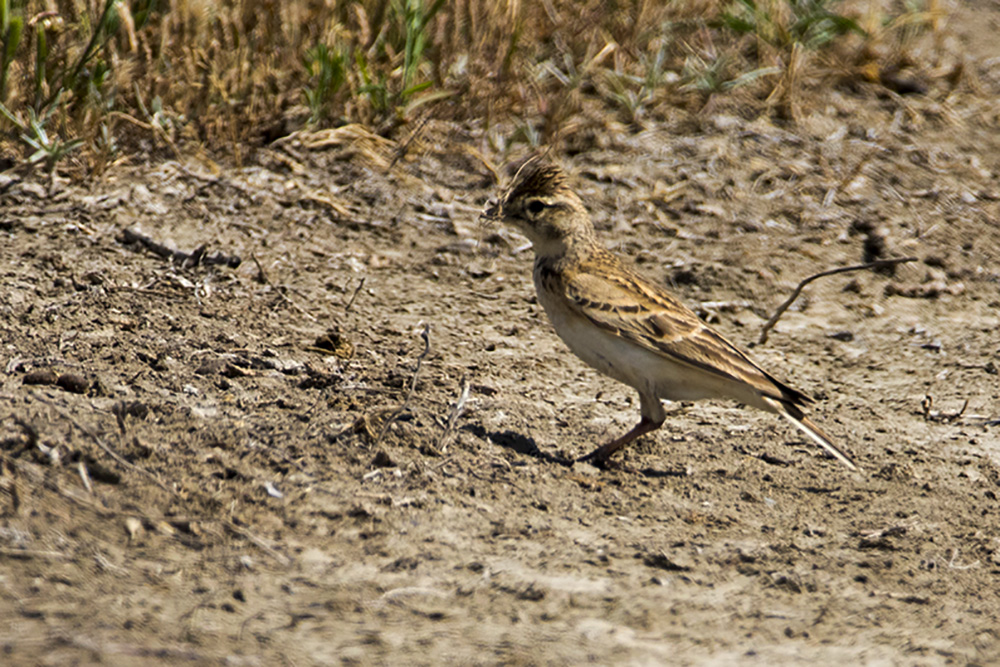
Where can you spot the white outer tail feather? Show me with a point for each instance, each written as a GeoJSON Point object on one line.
{"type": "Point", "coordinates": [821, 440]}
{"type": "Point", "coordinates": [815, 435]}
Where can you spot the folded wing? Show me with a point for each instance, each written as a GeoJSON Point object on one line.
{"type": "Point", "coordinates": [661, 323]}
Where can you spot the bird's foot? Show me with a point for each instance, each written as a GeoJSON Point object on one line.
{"type": "Point", "coordinates": [562, 460]}
{"type": "Point", "coordinates": [596, 458]}
{"type": "Point", "coordinates": [600, 460]}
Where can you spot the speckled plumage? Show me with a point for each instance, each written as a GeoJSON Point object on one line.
{"type": "Point", "coordinates": [626, 326]}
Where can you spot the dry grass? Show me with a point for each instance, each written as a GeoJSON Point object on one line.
{"type": "Point", "coordinates": [106, 80]}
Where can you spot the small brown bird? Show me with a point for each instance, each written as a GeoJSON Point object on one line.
{"type": "Point", "coordinates": [625, 326]}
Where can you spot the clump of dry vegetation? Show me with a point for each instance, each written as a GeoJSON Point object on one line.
{"type": "Point", "coordinates": [105, 80]}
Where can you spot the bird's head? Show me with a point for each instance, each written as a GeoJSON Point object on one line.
{"type": "Point", "coordinates": [539, 203]}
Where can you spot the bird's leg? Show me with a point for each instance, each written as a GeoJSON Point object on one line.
{"type": "Point", "coordinates": [601, 454]}
{"type": "Point", "coordinates": [652, 419]}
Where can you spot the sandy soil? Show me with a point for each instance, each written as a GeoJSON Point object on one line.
{"type": "Point", "coordinates": [263, 464]}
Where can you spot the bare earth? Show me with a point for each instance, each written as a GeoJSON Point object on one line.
{"type": "Point", "coordinates": [232, 487]}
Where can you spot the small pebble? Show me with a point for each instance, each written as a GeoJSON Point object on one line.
{"type": "Point", "coordinates": [41, 376]}
{"type": "Point", "coordinates": [73, 383]}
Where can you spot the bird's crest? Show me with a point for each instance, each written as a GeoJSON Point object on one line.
{"type": "Point", "coordinates": [536, 178]}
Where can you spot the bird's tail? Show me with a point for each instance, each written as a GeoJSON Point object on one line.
{"type": "Point", "coordinates": [807, 426]}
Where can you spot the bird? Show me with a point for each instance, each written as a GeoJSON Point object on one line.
{"type": "Point", "coordinates": [626, 326]}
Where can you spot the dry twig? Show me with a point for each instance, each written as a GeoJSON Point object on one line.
{"type": "Point", "coordinates": [831, 272]}
{"type": "Point", "coordinates": [426, 335]}
{"type": "Point", "coordinates": [103, 445]}
{"type": "Point", "coordinates": [928, 402]}
{"type": "Point", "coordinates": [279, 289]}
{"type": "Point", "coordinates": [194, 258]}
{"type": "Point", "coordinates": [354, 296]}
{"type": "Point", "coordinates": [152, 127]}
{"type": "Point", "coordinates": [401, 150]}
{"type": "Point", "coordinates": [28, 554]}
{"type": "Point", "coordinates": [81, 468]}
{"type": "Point", "coordinates": [257, 542]}
{"type": "Point", "coordinates": [456, 412]}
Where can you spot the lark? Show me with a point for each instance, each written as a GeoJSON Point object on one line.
{"type": "Point", "coordinates": [628, 327]}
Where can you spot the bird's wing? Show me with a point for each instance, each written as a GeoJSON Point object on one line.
{"type": "Point", "coordinates": [630, 306]}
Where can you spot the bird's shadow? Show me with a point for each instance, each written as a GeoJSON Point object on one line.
{"type": "Point", "coordinates": [517, 442]}
{"type": "Point", "coordinates": [525, 445]}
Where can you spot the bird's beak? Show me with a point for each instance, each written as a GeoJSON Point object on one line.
{"type": "Point", "coordinates": [491, 214]}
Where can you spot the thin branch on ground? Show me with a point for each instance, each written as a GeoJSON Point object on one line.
{"type": "Point", "coordinates": [20, 363]}
{"type": "Point", "coordinates": [262, 276]}
{"type": "Point", "coordinates": [194, 258]}
{"type": "Point", "coordinates": [354, 296]}
{"type": "Point", "coordinates": [257, 542]}
{"type": "Point", "coordinates": [103, 445]}
{"type": "Point", "coordinates": [426, 335]}
{"type": "Point", "coordinates": [81, 468]}
{"type": "Point", "coordinates": [151, 127]}
{"type": "Point", "coordinates": [456, 412]}
{"type": "Point", "coordinates": [28, 554]}
{"type": "Point", "coordinates": [279, 289]}
{"type": "Point", "coordinates": [401, 150]}
{"type": "Point", "coordinates": [831, 272]}
{"type": "Point", "coordinates": [928, 402]}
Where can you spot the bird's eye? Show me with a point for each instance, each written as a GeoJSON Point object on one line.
{"type": "Point", "coordinates": [535, 206]}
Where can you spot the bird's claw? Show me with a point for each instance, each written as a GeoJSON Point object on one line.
{"type": "Point", "coordinates": [594, 458]}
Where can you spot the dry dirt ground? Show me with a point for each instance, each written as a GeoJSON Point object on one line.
{"type": "Point", "coordinates": [267, 463]}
